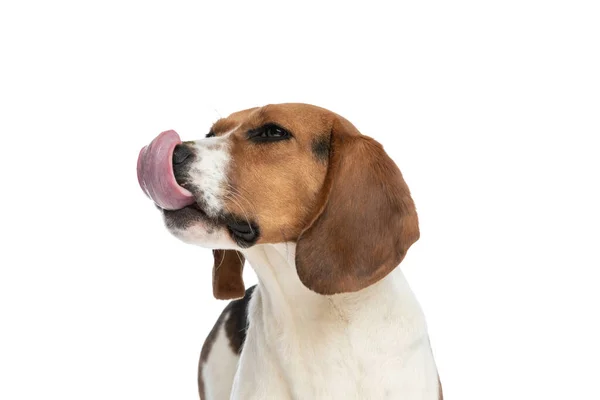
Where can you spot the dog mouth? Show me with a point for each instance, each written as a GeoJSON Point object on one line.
{"type": "Point", "coordinates": [185, 217]}
{"type": "Point", "coordinates": [178, 200]}
{"type": "Point", "coordinates": [159, 181]}
{"type": "Point", "coordinates": [243, 231]}
{"type": "Point", "coordinates": [194, 209]}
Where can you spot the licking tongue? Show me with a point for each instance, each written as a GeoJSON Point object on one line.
{"type": "Point", "coordinates": [155, 173]}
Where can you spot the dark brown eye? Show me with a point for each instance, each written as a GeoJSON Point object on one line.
{"type": "Point", "coordinates": [275, 132]}
{"type": "Point", "coordinates": [268, 133]}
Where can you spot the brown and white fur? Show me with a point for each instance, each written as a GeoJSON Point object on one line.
{"type": "Point", "coordinates": [324, 217]}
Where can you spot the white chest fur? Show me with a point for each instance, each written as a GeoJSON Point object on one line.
{"type": "Point", "coordinates": [371, 344]}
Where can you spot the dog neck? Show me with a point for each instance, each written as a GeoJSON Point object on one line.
{"type": "Point", "coordinates": [285, 297]}
{"type": "Point", "coordinates": [335, 342]}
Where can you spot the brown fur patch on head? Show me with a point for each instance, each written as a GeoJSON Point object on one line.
{"type": "Point", "coordinates": [276, 184]}
{"type": "Point", "coordinates": [329, 188]}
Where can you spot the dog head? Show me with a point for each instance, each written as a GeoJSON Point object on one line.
{"type": "Point", "coordinates": [285, 173]}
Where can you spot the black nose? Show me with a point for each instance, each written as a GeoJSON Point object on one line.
{"type": "Point", "coordinates": [181, 153]}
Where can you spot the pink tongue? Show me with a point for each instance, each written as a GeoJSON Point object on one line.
{"type": "Point", "coordinates": [155, 173]}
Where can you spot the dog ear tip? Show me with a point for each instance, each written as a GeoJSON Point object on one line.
{"type": "Point", "coordinates": [229, 293]}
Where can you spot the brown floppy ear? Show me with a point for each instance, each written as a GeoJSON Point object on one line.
{"type": "Point", "coordinates": [227, 275]}
{"type": "Point", "coordinates": [365, 222]}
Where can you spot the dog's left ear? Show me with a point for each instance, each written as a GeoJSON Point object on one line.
{"type": "Point", "coordinates": [365, 219]}
{"type": "Point", "coordinates": [227, 281]}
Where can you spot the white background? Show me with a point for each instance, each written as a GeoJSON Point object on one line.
{"type": "Point", "coordinates": [491, 110]}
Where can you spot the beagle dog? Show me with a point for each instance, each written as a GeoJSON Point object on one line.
{"type": "Point", "coordinates": [324, 217]}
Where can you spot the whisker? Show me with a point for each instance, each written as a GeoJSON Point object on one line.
{"type": "Point", "coordinates": [230, 197]}
{"type": "Point", "coordinates": [237, 253]}
{"type": "Point", "coordinates": [236, 192]}
{"type": "Point", "coordinates": [221, 263]}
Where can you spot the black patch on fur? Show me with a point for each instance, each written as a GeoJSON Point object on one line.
{"type": "Point", "coordinates": [237, 322]}
{"type": "Point", "coordinates": [320, 148]}
{"type": "Point", "coordinates": [236, 326]}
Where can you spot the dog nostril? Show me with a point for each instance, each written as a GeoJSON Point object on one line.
{"type": "Point", "coordinates": [181, 153]}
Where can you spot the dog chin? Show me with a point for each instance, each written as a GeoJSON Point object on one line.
{"type": "Point", "coordinates": [209, 237]}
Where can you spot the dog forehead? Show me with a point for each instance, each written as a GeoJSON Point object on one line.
{"type": "Point", "coordinates": [298, 117]}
